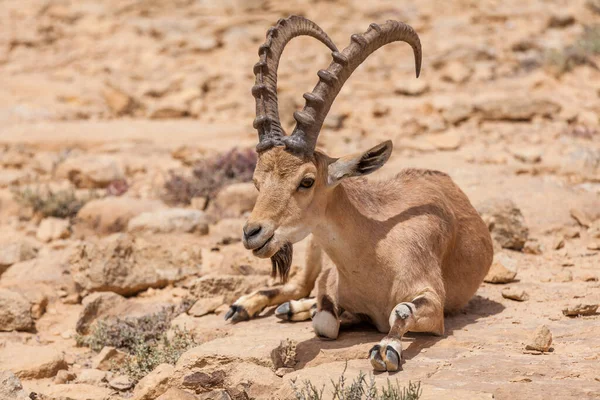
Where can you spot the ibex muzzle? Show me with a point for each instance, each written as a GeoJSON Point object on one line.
{"type": "Point", "coordinates": [405, 250]}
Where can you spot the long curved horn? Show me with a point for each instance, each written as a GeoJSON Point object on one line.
{"type": "Point", "coordinates": [331, 80]}
{"type": "Point", "coordinates": [264, 91]}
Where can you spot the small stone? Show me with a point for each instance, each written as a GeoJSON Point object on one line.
{"type": "Point", "coordinates": [283, 371]}
{"type": "Point", "coordinates": [541, 339]}
{"type": "Point", "coordinates": [563, 276]}
{"type": "Point", "coordinates": [558, 243]}
{"type": "Point", "coordinates": [595, 245]}
{"type": "Point", "coordinates": [580, 309]}
{"type": "Point", "coordinates": [581, 218]}
{"type": "Point", "coordinates": [527, 155]}
{"type": "Point", "coordinates": [506, 222]}
{"type": "Point", "coordinates": [15, 312]}
{"type": "Point", "coordinates": [206, 306]}
{"type": "Point", "coordinates": [234, 200]}
{"type": "Point", "coordinates": [588, 277]}
{"type": "Point", "coordinates": [91, 376]}
{"type": "Point", "coordinates": [561, 21]}
{"type": "Point", "coordinates": [203, 381]}
{"type": "Point", "coordinates": [11, 387]}
{"type": "Point", "coordinates": [108, 358]}
{"type": "Point", "coordinates": [13, 252]}
{"type": "Point", "coordinates": [571, 232]}
{"type": "Point", "coordinates": [515, 294]}
{"type": "Point", "coordinates": [457, 113]}
{"type": "Point", "coordinates": [456, 72]}
{"type": "Point", "coordinates": [121, 383]}
{"type": "Point", "coordinates": [588, 118]}
{"type": "Point", "coordinates": [119, 102]}
{"type": "Point", "coordinates": [64, 376]}
{"type": "Point", "coordinates": [412, 87]}
{"type": "Point", "coordinates": [532, 247]}
{"type": "Point", "coordinates": [284, 355]}
{"type": "Point", "coordinates": [53, 229]}
{"type": "Point", "coordinates": [503, 270]}
{"type": "Point", "coordinates": [450, 140]}
{"type": "Point", "coordinates": [154, 384]}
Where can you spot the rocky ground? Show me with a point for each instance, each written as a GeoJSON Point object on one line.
{"type": "Point", "coordinates": [117, 261]}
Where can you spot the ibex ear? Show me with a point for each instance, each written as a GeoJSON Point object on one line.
{"type": "Point", "coordinates": [360, 163]}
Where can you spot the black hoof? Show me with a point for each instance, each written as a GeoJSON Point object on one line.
{"type": "Point", "coordinates": [237, 314]}
{"type": "Point", "coordinates": [392, 359]}
{"type": "Point", "coordinates": [284, 311]}
{"type": "Point", "coordinates": [375, 358]}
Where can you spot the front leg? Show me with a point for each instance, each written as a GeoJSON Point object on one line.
{"type": "Point", "coordinates": [326, 320]}
{"type": "Point", "coordinates": [425, 313]}
{"type": "Point", "coordinates": [298, 287]}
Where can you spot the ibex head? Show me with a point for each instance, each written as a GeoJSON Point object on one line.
{"type": "Point", "coordinates": [294, 180]}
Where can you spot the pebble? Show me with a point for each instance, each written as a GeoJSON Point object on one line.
{"type": "Point", "coordinates": [515, 294]}
{"type": "Point", "coordinates": [541, 340]}
{"type": "Point", "coordinates": [503, 270]}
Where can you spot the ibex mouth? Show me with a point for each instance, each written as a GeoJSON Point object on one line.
{"type": "Point", "coordinates": [282, 261]}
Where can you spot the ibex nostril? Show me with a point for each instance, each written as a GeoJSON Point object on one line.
{"type": "Point", "coordinates": [252, 230]}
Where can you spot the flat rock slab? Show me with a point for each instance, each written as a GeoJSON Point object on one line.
{"type": "Point", "coordinates": [31, 362]}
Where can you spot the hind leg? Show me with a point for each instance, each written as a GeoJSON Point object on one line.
{"type": "Point", "coordinates": [425, 313]}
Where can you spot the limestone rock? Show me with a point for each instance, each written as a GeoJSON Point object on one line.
{"type": "Point", "coordinates": [75, 391]}
{"type": "Point", "coordinates": [14, 251]}
{"type": "Point", "coordinates": [108, 357]}
{"type": "Point", "coordinates": [235, 199]}
{"type": "Point", "coordinates": [506, 223]}
{"type": "Point", "coordinates": [580, 309]}
{"type": "Point", "coordinates": [64, 376]}
{"type": "Point", "coordinates": [154, 384]}
{"type": "Point", "coordinates": [121, 383]}
{"type": "Point", "coordinates": [119, 102]}
{"type": "Point", "coordinates": [284, 355]}
{"type": "Point", "coordinates": [541, 339]}
{"type": "Point", "coordinates": [170, 220]}
{"type": "Point", "coordinates": [206, 306]}
{"type": "Point", "coordinates": [53, 229]}
{"type": "Point", "coordinates": [94, 306]}
{"type": "Point", "coordinates": [126, 265]}
{"type": "Point", "coordinates": [514, 293]}
{"type": "Point", "coordinates": [503, 270]}
{"type": "Point", "coordinates": [91, 376]}
{"type": "Point", "coordinates": [412, 87]}
{"type": "Point", "coordinates": [112, 214]}
{"type": "Point", "coordinates": [32, 362]}
{"type": "Point", "coordinates": [517, 108]}
{"type": "Point", "coordinates": [90, 171]}
{"type": "Point", "coordinates": [15, 312]}
{"type": "Point", "coordinates": [10, 387]}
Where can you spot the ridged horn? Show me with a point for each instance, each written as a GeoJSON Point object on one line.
{"type": "Point", "coordinates": [267, 121]}
{"type": "Point", "coordinates": [310, 120]}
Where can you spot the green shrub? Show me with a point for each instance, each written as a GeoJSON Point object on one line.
{"type": "Point", "coordinates": [145, 339]}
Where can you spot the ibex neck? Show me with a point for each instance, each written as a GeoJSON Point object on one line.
{"type": "Point", "coordinates": [344, 230]}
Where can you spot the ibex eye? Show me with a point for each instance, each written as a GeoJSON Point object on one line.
{"type": "Point", "coordinates": [306, 183]}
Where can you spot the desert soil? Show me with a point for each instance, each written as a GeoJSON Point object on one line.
{"type": "Point", "coordinates": [112, 96]}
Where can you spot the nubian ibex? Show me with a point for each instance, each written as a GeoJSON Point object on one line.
{"type": "Point", "coordinates": [405, 250]}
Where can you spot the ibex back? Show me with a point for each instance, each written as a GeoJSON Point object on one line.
{"type": "Point", "coordinates": [405, 250]}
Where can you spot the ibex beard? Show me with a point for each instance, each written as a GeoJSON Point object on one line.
{"type": "Point", "coordinates": [405, 250]}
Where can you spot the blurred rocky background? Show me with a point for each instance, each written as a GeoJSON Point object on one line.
{"type": "Point", "coordinates": [126, 150]}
